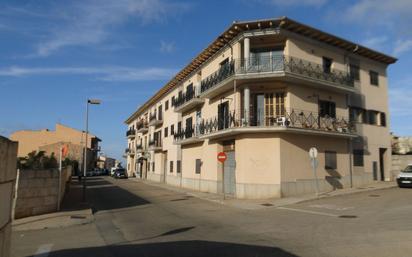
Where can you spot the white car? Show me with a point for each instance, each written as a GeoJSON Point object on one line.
{"type": "Point", "coordinates": [404, 178]}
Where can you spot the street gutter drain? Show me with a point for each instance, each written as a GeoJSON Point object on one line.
{"type": "Point", "coordinates": [374, 195]}
{"type": "Point", "coordinates": [348, 216]}
{"type": "Point", "coordinates": [267, 204]}
{"type": "Point", "coordinates": [77, 217]}
{"type": "Point", "coordinates": [180, 199]}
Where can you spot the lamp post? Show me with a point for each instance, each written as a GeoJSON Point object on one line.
{"type": "Point", "coordinates": [89, 101]}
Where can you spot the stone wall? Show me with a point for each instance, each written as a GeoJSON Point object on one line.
{"type": "Point", "coordinates": [399, 162]}
{"type": "Point", "coordinates": [8, 155]}
{"type": "Point", "coordinates": [38, 191]}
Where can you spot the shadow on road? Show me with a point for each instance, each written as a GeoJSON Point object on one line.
{"type": "Point", "coordinates": [103, 195]}
{"type": "Point", "coordinates": [194, 248]}
{"type": "Point", "coordinates": [100, 195]}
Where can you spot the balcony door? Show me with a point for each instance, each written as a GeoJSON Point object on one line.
{"type": "Point", "coordinates": [266, 59]}
{"type": "Point", "coordinates": [223, 115]}
{"type": "Point", "coordinates": [268, 107]}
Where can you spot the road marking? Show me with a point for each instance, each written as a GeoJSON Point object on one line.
{"type": "Point", "coordinates": [310, 212]}
{"type": "Point", "coordinates": [43, 250]}
{"type": "Point", "coordinates": [331, 207]}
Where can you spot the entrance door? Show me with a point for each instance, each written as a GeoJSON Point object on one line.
{"type": "Point", "coordinates": [382, 163]}
{"type": "Point", "coordinates": [229, 170]}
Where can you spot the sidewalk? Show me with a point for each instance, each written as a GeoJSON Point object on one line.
{"type": "Point", "coordinates": [73, 212]}
{"type": "Point", "coordinates": [272, 202]}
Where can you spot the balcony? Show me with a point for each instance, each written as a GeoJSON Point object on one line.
{"type": "Point", "coordinates": [187, 136]}
{"type": "Point", "coordinates": [188, 100]}
{"type": "Point", "coordinates": [155, 120]}
{"type": "Point", "coordinates": [294, 121]}
{"type": "Point", "coordinates": [140, 148]}
{"type": "Point", "coordinates": [286, 68]}
{"type": "Point", "coordinates": [129, 151]}
{"type": "Point", "coordinates": [142, 127]}
{"type": "Point", "coordinates": [131, 133]}
{"type": "Point", "coordinates": [155, 145]}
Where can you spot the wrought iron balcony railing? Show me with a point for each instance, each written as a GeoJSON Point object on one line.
{"type": "Point", "coordinates": [131, 132]}
{"type": "Point", "coordinates": [153, 116]}
{"type": "Point", "coordinates": [185, 97]}
{"type": "Point", "coordinates": [155, 143]}
{"type": "Point", "coordinates": [293, 118]}
{"type": "Point", "coordinates": [129, 151]}
{"type": "Point", "coordinates": [287, 64]}
{"type": "Point", "coordinates": [141, 124]}
{"type": "Point", "coordinates": [186, 133]}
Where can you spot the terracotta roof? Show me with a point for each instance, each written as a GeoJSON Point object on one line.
{"type": "Point", "coordinates": [240, 26]}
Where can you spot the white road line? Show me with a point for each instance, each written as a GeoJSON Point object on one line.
{"type": "Point", "coordinates": [310, 212]}
{"type": "Point", "coordinates": [43, 250]}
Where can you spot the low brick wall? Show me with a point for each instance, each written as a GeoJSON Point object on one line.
{"type": "Point", "coordinates": [38, 191]}
{"type": "Point", "coordinates": [399, 162]}
{"type": "Point", "coordinates": [8, 156]}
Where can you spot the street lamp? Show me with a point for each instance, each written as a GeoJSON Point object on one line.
{"type": "Point", "coordinates": [89, 101]}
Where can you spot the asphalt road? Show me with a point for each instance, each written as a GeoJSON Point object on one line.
{"type": "Point", "coordinates": [136, 219]}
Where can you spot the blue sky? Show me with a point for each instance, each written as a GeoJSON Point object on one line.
{"type": "Point", "coordinates": [56, 54]}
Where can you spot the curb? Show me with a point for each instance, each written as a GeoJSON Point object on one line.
{"type": "Point", "coordinates": [53, 220]}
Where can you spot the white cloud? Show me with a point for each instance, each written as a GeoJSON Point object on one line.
{"type": "Point", "coordinates": [375, 42]}
{"type": "Point", "coordinates": [402, 46]}
{"type": "Point", "coordinates": [100, 73]}
{"type": "Point", "coordinates": [167, 47]}
{"type": "Point", "coordinates": [91, 22]}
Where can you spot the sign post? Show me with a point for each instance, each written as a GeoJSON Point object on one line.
{"type": "Point", "coordinates": [221, 157]}
{"type": "Point", "coordinates": [313, 154]}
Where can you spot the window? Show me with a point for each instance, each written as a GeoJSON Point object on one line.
{"type": "Point", "coordinates": [189, 127]}
{"type": "Point", "coordinates": [172, 129]}
{"type": "Point", "coordinates": [167, 105]}
{"type": "Point", "coordinates": [198, 166]}
{"type": "Point", "coordinates": [383, 119]}
{"type": "Point", "coordinates": [173, 101]}
{"type": "Point", "coordinates": [153, 166]}
{"type": "Point", "coordinates": [327, 109]}
{"type": "Point", "coordinates": [159, 113]}
{"type": "Point", "coordinates": [373, 117]}
{"type": "Point", "coordinates": [374, 78]}
{"type": "Point", "coordinates": [179, 127]}
{"type": "Point", "coordinates": [280, 104]}
{"type": "Point", "coordinates": [358, 157]}
{"type": "Point", "coordinates": [330, 160]}
{"type": "Point", "coordinates": [171, 167]}
{"type": "Point", "coordinates": [179, 166]}
{"type": "Point", "coordinates": [355, 114]}
{"type": "Point", "coordinates": [354, 71]}
{"type": "Point", "coordinates": [327, 64]}
{"type": "Point", "coordinates": [166, 132]}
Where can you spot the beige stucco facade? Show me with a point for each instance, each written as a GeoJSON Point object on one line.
{"type": "Point", "coordinates": [50, 141]}
{"type": "Point", "coordinates": [265, 97]}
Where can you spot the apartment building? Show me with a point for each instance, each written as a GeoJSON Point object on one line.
{"type": "Point", "coordinates": [265, 92]}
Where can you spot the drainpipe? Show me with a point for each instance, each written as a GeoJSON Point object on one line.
{"type": "Point", "coordinates": [350, 162]}
{"type": "Point", "coordinates": [246, 92]}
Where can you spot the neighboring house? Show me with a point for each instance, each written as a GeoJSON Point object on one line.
{"type": "Point", "coordinates": [265, 92]}
{"type": "Point", "coordinates": [104, 162]}
{"type": "Point", "coordinates": [51, 141]}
